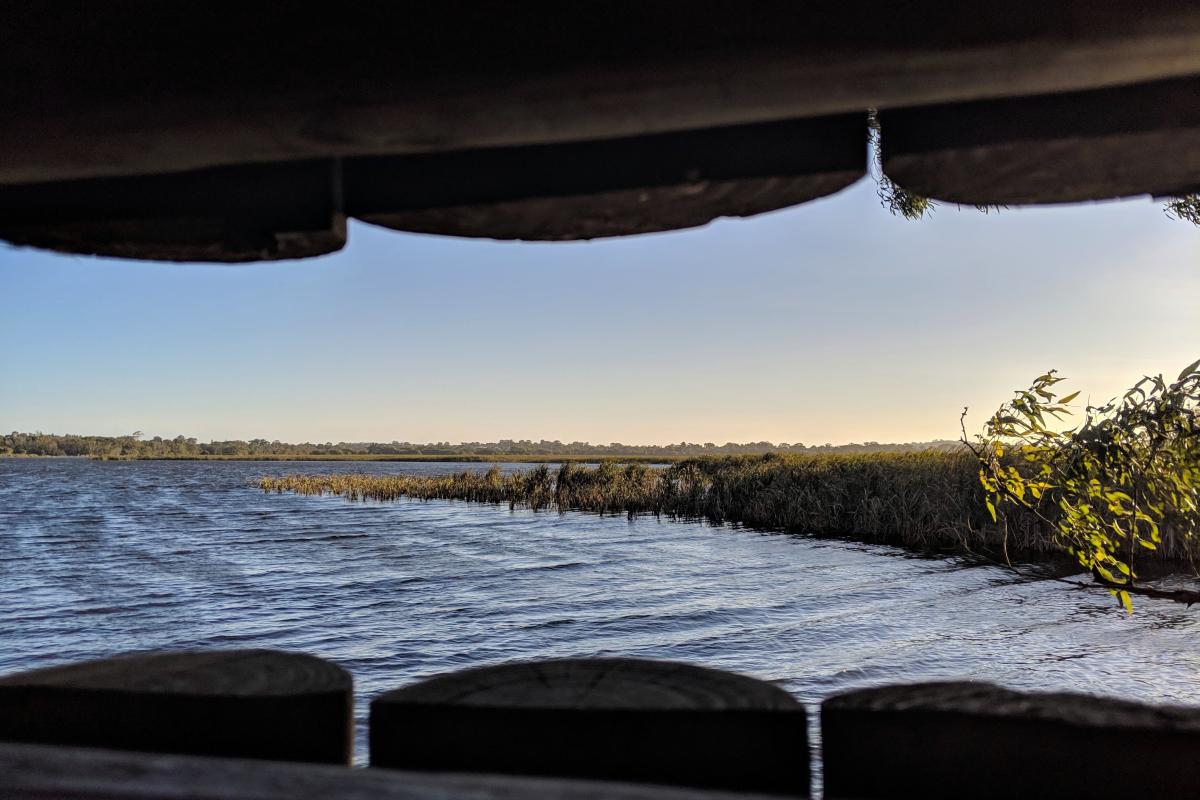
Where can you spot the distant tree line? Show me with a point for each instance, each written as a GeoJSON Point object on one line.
{"type": "Point", "coordinates": [135, 445]}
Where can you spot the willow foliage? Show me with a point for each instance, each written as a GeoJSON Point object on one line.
{"type": "Point", "coordinates": [1110, 488]}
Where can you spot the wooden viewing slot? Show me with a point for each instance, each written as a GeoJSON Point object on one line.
{"type": "Point", "coordinates": [39, 772]}
{"type": "Point", "coordinates": [609, 719]}
{"type": "Point", "coordinates": [241, 703]}
{"type": "Point", "coordinates": [976, 740]}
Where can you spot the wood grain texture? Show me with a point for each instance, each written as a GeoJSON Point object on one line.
{"type": "Point", "coordinates": [39, 772]}
{"type": "Point", "coordinates": [245, 703]}
{"type": "Point", "coordinates": [135, 86]}
{"type": "Point", "coordinates": [954, 740]}
{"type": "Point", "coordinates": [1142, 139]}
{"type": "Point", "coordinates": [610, 719]}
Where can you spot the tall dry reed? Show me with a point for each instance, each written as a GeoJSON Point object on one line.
{"type": "Point", "coordinates": [928, 500]}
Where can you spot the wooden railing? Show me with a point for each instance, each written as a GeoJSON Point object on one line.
{"type": "Point", "coordinates": [241, 703]}
{"type": "Point", "coordinates": [610, 719]}
{"type": "Point", "coordinates": [138, 726]}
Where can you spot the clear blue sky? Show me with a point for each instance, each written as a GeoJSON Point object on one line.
{"type": "Point", "coordinates": [829, 322]}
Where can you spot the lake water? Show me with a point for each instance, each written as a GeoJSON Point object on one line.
{"type": "Point", "coordinates": [98, 558]}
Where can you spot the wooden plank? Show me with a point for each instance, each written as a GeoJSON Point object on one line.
{"type": "Point", "coordinates": [1142, 139]}
{"type": "Point", "coordinates": [228, 214]}
{"type": "Point", "coordinates": [609, 719]}
{"type": "Point", "coordinates": [43, 772]}
{"type": "Point", "coordinates": [563, 191]}
{"type": "Point", "coordinates": [612, 187]}
{"type": "Point", "coordinates": [956, 740]}
{"type": "Point", "coordinates": [136, 86]}
{"type": "Point", "coordinates": [244, 703]}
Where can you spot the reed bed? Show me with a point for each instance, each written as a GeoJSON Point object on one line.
{"type": "Point", "coordinates": [928, 500]}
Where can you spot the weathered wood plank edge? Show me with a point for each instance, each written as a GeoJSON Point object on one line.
{"type": "Point", "coordinates": [978, 740]}
{"type": "Point", "coordinates": [1078, 146]}
{"type": "Point", "coordinates": [621, 719]}
{"type": "Point", "coordinates": [910, 60]}
{"type": "Point", "coordinates": [562, 191]}
{"type": "Point", "coordinates": [244, 703]}
{"type": "Point", "coordinates": [29, 772]}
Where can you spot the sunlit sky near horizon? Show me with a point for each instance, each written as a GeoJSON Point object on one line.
{"type": "Point", "coordinates": [829, 322]}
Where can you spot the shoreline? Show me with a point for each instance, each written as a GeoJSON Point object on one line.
{"type": "Point", "coordinates": [925, 503]}
{"type": "Point", "coordinates": [474, 458]}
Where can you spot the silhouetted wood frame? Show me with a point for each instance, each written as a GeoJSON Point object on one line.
{"type": "Point", "coordinates": [260, 111]}
{"type": "Point", "coordinates": [561, 191]}
{"type": "Point", "coordinates": [977, 740]}
{"type": "Point", "coordinates": [1142, 139]}
{"type": "Point", "coordinates": [38, 772]}
{"type": "Point", "coordinates": [131, 87]}
{"type": "Point", "coordinates": [225, 214]}
{"type": "Point", "coordinates": [241, 703]}
{"type": "Point", "coordinates": [608, 719]}
{"type": "Point", "coordinates": [611, 187]}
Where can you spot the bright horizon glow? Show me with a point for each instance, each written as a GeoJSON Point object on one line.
{"type": "Point", "coordinates": [829, 322]}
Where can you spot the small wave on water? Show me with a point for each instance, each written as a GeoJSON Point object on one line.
{"type": "Point", "coordinates": [104, 557]}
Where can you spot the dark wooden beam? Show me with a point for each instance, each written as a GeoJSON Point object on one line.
{"type": "Point", "coordinates": [137, 86]}
{"type": "Point", "coordinates": [609, 719]}
{"type": "Point", "coordinates": [561, 191]}
{"type": "Point", "coordinates": [243, 703]}
{"type": "Point", "coordinates": [1142, 139]}
{"type": "Point", "coordinates": [611, 187]}
{"type": "Point", "coordinates": [958, 740]}
{"type": "Point", "coordinates": [40, 772]}
{"type": "Point", "coordinates": [241, 213]}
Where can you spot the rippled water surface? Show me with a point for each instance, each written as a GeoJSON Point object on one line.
{"type": "Point", "coordinates": [98, 558]}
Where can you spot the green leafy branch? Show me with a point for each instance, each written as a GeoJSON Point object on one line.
{"type": "Point", "coordinates": [1107, 489]}
{"type": "Point", "coordinates": [894, 197]}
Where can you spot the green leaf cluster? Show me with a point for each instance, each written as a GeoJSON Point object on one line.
{"type": "Point", "coordinates": [1108, 488]}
